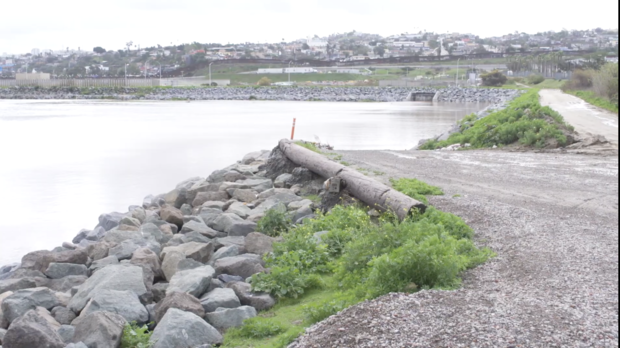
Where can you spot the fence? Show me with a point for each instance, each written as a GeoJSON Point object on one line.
{"type": "Point", "coordinates": [564, 75]}
{"type": "Point", "coordinates": [415, 83]}
{"type": "Point", "coordinates": [192, 81]}
{"type": "Point", "coordinates": [82, 83]}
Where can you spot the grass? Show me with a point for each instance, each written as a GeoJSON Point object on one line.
{"type": "Point", "coordinates": [345, 163]}
{"type": "Point", "coordinates": [135, 336]}
{"type": "Point", "coordinates": [377, 172]}
{"type": "Point", "coordinates": [252, 79]}
{"type": "Point", "coordinates": [593, 99]}
{"type": "Point", "coordinates": [308, 145]}
{"type": "Point", "coordinates": [524, 121]}
{"type": "Point", "coordinates": [550, 84]}
{"type": "Point", "coordinates": [416, 189]}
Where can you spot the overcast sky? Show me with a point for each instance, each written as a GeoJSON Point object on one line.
{"type": "Point", "coordinates": [59, 24]}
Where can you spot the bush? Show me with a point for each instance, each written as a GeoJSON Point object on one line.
{"type": "Point", "coordinates": [320, 312]}
{"type": "Point", "coordinates": [535, 79]}
{"type": "Point", "coordinates": [415, 188]}
{"type": "Point", "coordinates": [493, 78]}
{"type": "Point", "coordinates": [605, 82]}
{"type": "Point", "coordinates": [264, 81]}
{"type": "Point", "coordinates": [274, 223]}
{"type": "Point", "coordinates": [580, 79]}
{"type": "Point", "coordinates": [135, 336]}
{"type": "Point", "coordinates": [256, 328]}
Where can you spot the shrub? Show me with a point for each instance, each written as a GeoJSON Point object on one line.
{"type": "Point", "coordinates": [535, 79]}
{"type": "Point", "coordinates": [321, 311]}
{"type": "Point", "coordinates": [285, 281]}
{"type": "Point", "coordinates": [415, 188]}
{"type": "Point", "coordinates": [256, 328]}
{"type": "Point", "coordinates": [264, 81]}
{"type": "Point", "coordinates": [135, 336]}
{"type": "Point", "coordinates": [605, 82]}
{"type": "Point", "coordinates": [580, 79]}
{"type": "Point", "coordinates": [493, 78]}
{"type": "Point", "coordinates": [274, 223]}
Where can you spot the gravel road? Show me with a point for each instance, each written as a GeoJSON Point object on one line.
{"type": "Point", "coordinates": [553, 221]}
{"type": "Point", "coordinates": [583, 116]}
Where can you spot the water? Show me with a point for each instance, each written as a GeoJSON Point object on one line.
{"type": "Point", "coordinates": [62, 163]}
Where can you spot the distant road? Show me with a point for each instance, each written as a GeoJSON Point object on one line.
{"type": "Point", "coordinates": [583, 116]}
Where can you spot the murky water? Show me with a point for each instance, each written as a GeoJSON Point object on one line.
{"type": "Point", "coordinates": [62, 163]}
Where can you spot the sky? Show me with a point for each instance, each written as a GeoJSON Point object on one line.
{"type": "Point", "coordinates": [59, 24]}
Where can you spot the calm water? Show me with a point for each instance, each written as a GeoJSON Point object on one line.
{"type": "Point", "coordinates": [62, 163]}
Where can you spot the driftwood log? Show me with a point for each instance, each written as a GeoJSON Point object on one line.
{"type": "Point", "coordinates": [369, 191]}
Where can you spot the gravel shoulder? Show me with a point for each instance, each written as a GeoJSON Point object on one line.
{"type": "Point", "coordinates": [585, 117]}
{"type": "Point", "coordinates": [552, 219]}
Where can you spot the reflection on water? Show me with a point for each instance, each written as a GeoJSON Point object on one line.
{"type": "Point", "coordinates": [62, 163]}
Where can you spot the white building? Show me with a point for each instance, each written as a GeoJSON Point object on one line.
{"type": "Point", "coordinates": [316, 43]}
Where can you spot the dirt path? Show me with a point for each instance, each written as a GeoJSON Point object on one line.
{"type": "Point", "coordinates": [583, 116]}
{"type": "Point", "coordinates": [553, 221]}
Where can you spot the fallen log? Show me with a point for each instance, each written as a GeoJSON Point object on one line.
{"type": "Point", "coordinates": [369, 191]}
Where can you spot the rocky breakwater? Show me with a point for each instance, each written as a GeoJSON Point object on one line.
{"type": "Point", "coordinates": [333, 94]}
{"type": "Point", "coordinates": [180, 260]}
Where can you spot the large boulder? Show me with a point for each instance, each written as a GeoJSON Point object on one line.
{"type": "Point", "coordinates": [110, 220]}
{"type": "Point", "coordinates": [224, 318]}
{"type": "Point", "coordinates": [240, 209]}
{"type": "Point", "coordinates": [226, 251]}
{"type": "Point", "coordinates": [200, 252]}
{"type": "Point", "coordinates": [179, 300]}
{"type": "Point", "coordinates": [244, 195]}
{"type": "Point", "coordinates": [203, 197]}
{"type": "Point", "coordinates": [145, 257]}
{"type": "Point", "coordinates": [260, 301]}
{"type": "Point", "coordinates": [16, 284]}
{"type": "Point", "coordinates": [201, 186]}
{"type": "Point", "coordinates": [66, 332]}
{"type": "Point", "coordinates": [258, 185]}
{"type": "Point", "coordinates": [229, 241]}
{"type": "Point", "coordinates": [130, 221]}
{"type": "Point", "coordinates": [124, 303]}
{"type": "Point", "coordinates": [239, 266]}
{"type": "Point", "coordinates": [61, 270]}
{"type": "Point", "coordinates": [40, 260]}
{"type": "Point", "coordinates": [99, 264]}
{"type": "Point", "coordinates": [99, 250]}
{"type": "Point", "coordinates": [170, 263]}
{"type": "Point", "coordinates": [21, 301]}
{"type": "Point", "coordinates": [32, 330]}
{"type": "Point", "coordinates": [150, 230]}
{"type": "Point", "coordinates": [118, 236]}
{"type": "Point", "coordinates": [114, 277]}
{"type": "Point", "coordinates": [192, 281]}
{"type": "Point", "coordinates": [219, 298]}
{"type": "Point", "coordinates": [172, 215]}
{"type": "Point", "coordinates": [3, 323]}
{"type": "Point", "coordinates": [258, 243]}
{"type": "Point", "coordinates": [99, 330]}
{"type": "Point", "coordinates": [200, 227]}
{"type": "Point", "coordinates": [63, 315]}
{"type": "Point", "coordinates": [66, 283]}
{"type": "Point", "coordinates": [183, 329]}
{"type": "Point", "coordinates": [283, 180]}
{"type": "Point", "coordinates": [233, 225]}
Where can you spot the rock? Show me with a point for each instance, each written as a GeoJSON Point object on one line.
{"type": "Point", "coordinates": [21, 301]}
{"type": "Point", "coordinates": [111, 220]}
{"type": "Point", "coordinates": [213, 204]}
{"type": "Point", "coordinates": [150, 230]}
{"type": "Point", "coordinates": [99, 250]}
{"type": "Point", "coordinates": [260, 301]}
{"type": "Point", "coordinates": [81, 235]}
{"type": "Point", "coordinates": [118, 236]}
{"type": "Point", "coordinates": [99, 329]}
{"type": "Point", "coordinates": [302, 212]}
{"type": "Point", "coordinates": [215, 284]}
{"type": "Point", "coordinates": [233, 176]}
{"type": "Point", "coordinates": [226, 318]}
{"type": "Point", "coordinates": [129, 221]}
{"type": "Point", "coordinates": [219, 298]}
{"type": "Point", "coordinates": [238, 265]}
{"type": "Point", "coordinates": [65, 284]}
{"type": "Point", "coordinates": [76, 345]}
{"type": "Point", "coordinates": [258, 243]}
{"type": "Point", "coordinates": [228, 241]}
{"type": "Point", "coordinates": [139, 214]}
{"type": "Point", "coordinates": [114, 277]}
{"type": "Point", "coordinates": [200, 252]}
{"type": "Point", "coordinates": [194, 237]}
{"type": "Point", "coordinates": [183, 329]}
{"type": "Point", "coordinates": [188, 264]}
{"type": "Point", "coordinates": [159, 291]}
{"type": "Point", "coordinates": [283, 180]}
{"type": "Point", "coordinates": [268, 193]}
{"type": "Point", "coordinates": [125, 249]}
{"type": "Point", "coordinates": [61, 270]}
{"type": "Point", "coordinates": [203, 197]}
{"type": "Point", "coordinates": [40, 260]}
{"type": "Point", "coordinates": [169, 229]}
{"type": "Point", "coordinates": [239, 209]}
{"type": "Point", "coordinates": [227, 251]}
{"type": "Point", "coordinates": [283, 198]}
{"type": "Point", "coordinates": [233, 225]}
{"type": "Point", "coordinates": [170, 263]}
{"type": "Point", "coordinates": [66, 332]}
{"type": "Point", "coordinates": [4, 323]}
{"type": "Point", "coordinates": [63, 315]}
{"type": "Point", "coordinates": [2, 333]}
{"type": "Point", "coordinates": [151, 309]}
{"type": "Point", "coordinates": [299, 204]}
{"type": "Point", "coordinates": [179, 300]}
{"type": "Point", "coordinates": [259, 185]}
{"type": "Point", "coordinates": [201, 186]}
{"type": "Point", "coordinates": [123, 227]}
{"type": "Point", "coordinates": [186, 209]}
{"type": "Point", "coordinates": [68, 246]}
{"type": "Point", "coordinates": [200, 227]}
{"type": "Point", "coordinates": [16, 284]}
{"type": "Point", "coordinates": [251, 157]}
{"type": "Point", "coordinates": [193, 281]}
{"type": "Point", "coordinates": [245, 195]}
{"type": "Point", "coordinates": [172, 215]}
{"type": "Point", "coordinates": [63, 298]}
{"type": "Point", "coordinates": [124, 303]}
{"type": "Point", "coordinates": [227, 278]}
{"type": "Point", "coordinates": [99, 264]}
{"type": "Point", "coordinates": [32, 330]}
{"type": "Point", "coordinates": [145, 257]}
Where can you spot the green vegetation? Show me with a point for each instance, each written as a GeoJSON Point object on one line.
{"type": "Point", "coordinates": [377, 172]}
{"type": "Point", "coordinates": [308, 145]}
{"type": "Point", "coordinates": [494, 79]}
{"type": "Point", "coordinates": [524, 121]}
{"type": "Point", "coordinates": [135, 336]}
{"type": "Point", "coordinates": [592, 98]}
{"type": "Point", "coordinates": [535, 79]}
{"type": "Point", "coordinates": [355, 258]}
{"type": "Point", "coordinates": [264, 81]}
{"type": "Point", "coordinates": [550, 84]}
{"type": "Point", "coordinates": [345, 163]}
{"type": "Point", "coordinates": [274, 223]}
{"type": "Point", "coordinates": [596, 86]}
{"type": "Point", "coordinates": [415, 188]}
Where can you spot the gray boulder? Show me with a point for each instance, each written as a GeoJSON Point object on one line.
{"type": "Point", "coordinates": [40, 260]}
{"type": "Point", "coordinates": [66, 332]}
{"type": "Point", "coordinates": [298, 204]}
{"type": "Point", "coordinates": [118, 236]}
{"type": "Point", "coordinates": [130, 221]}
{"type": "Point", "coordinates": [179, 300]}
{"type": "Point", "coordinates": [61, 270]}
{"type": "Point", "coordinates": [99, 264]}
{"type": "Point", "coordinates": [200, 227]}
{"type": "Point", "coordinates": [139, 214]}
{"type": "Point", "coordinates": [80, 236]}
{"type": "Point", "coordinates": [200, 252]}
{"type": "Point", "coordinates": [145, 257]}
{"type": "Point", "coordinates": [124, 303]}
{"type": "Point", "coordinates": [96, 234]}
{"type": "Point", "coordinates": [244, 195]}
{"type": "Point", "coordinates": [219, 298]}
{"type": "Point", "coordinates": [258, 185]}
{"type": "Point", "coordinates": [260, 301]}
{"type": "Point", "coordinates": [203, 197]}
{"type": "Point", "coordinates": [65, 284]}
{"type": "Point", "coordinates": [125, 249]}
{"type": "Point", "coordinates": [16, 284]}
{"type": "Point", "coordinates": [229, 241]}
{"type": "Point", "coordinates": [76, 345]}
{"type": "Point", "coordinates": [21, 301]}
{"type": "Point", "coordinates": [114, 277]}
{"type": "Point", "coordinates": [150, 230]}
{"type": "Point", "coordinates": [99, 250]}
{"type": "Point", "coordinates": [258, 243]}
{"type": "Point", "coordinates": [183, 329]}
{"type": "Point", "coordinates": [99, 329]}
{"type": "Point", "coordinates": [201, 186]}
{"type": "Point", "coordinates": [110, 220]}
{"type": "Point", "coordinates": [170, 263]}
{"type": "Point", "coordinates": [303, 212]}
{"type": "Point", "coordinates": [193, 281]}
{"type": "Point", "coordinates": [172, 215]}
{"type": "Point", "coordinates": [223, 318]}
{"type": "Point", "coordinates": [213, 204]}
{"type": "Point", "coordinates": [227, 251]}
{"type": "Point", "coordinates": [63, 315]}
{"type": "Point", "coordinates": [238, 265]}
{"type": "Point", "coordinates": [240, 209]}
{"type": "Point", "coordinates": [32, 330]}
{"type": "Point", "coordinates": [159, 291]}
{"type": "Point", "coordinates": [233, 225]}
{"type": "Point", "coordinates": [283, 180]}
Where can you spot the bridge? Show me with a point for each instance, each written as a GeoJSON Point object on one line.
{"type": "Point", "coordinates": [421, 96]}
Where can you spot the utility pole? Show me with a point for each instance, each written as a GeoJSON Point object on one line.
{"type": "Point", "coordinates": [210, 83]}
{"type": "Point", "coordinates": [289, 71]}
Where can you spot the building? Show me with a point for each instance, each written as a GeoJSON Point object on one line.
{"type": "Point", "coordinates": [32, 76]}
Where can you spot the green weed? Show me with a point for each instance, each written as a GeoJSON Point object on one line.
{"type": "Point", "coordinates": [415, 188]}
{"type": "Point", "coordinates": [308, 145]}
{"type": "Point", "coordinates": [257, 327]}
{"type": "Point", "coordinates": [135, 336]}
{"type": "Point", "coordinates": [274, 223]}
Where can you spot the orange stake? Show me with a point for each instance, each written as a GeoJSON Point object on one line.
{"type": "Point", "coordinates": [293, 130]}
